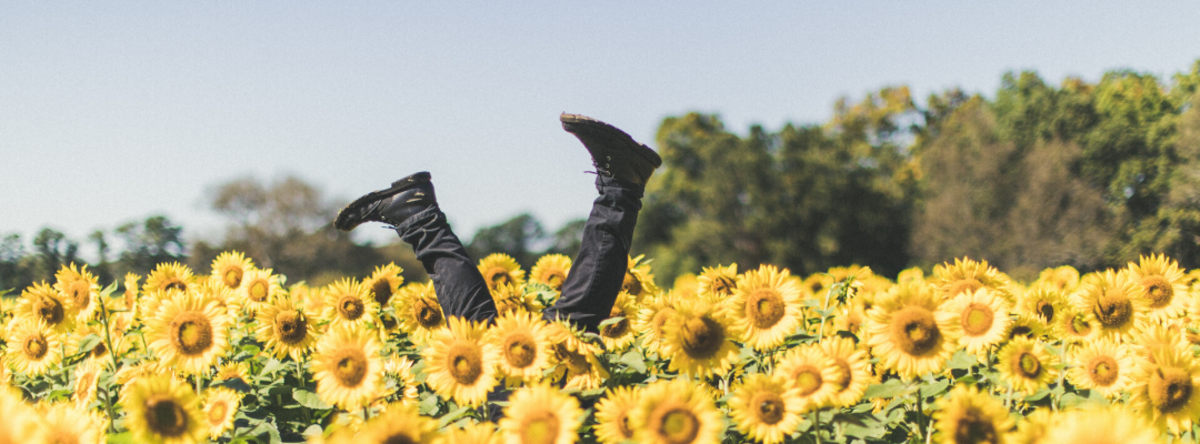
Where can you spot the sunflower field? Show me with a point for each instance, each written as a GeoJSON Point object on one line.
{"type": "Point", "coordinates": [963, 355]}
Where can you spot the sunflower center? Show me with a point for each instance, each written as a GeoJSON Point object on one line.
{"type": "Point", "coordinates": [702, 337]}
{"type": "Point", "coordinates": [914, 330]}
{"type": "Point", "coordinates": [35, 346]}
{"type": "Point", "coordinates": [382, 289]}
{"type": "Point", "coordinates": [175, 284]}
{"type": "Point", "coordinates": [49, 309]}
{"type": "Point", "coordinates": [1046, 310]}
{"type": "Point", "coordinates": [843, 375]}
{"type": "Point", "coordinates": [1158, 290]}
{"type": "Point", "coordinates": [1027, 365]}
{"type": "Point", "coordinates": [399, 438]}
{"type": "Point", "coordinates": [660, 318]}
{"type": "Point", "coordinates": [616, 329]}
{"type": "Point", "coordinates": [631, 284]}
{"type": "Point", "coordinates": [977, 319]}
{"type": "Point", "coordinates": [291, 326]}
{"type": "Point", "coordinates": [191, 333]}
{"type": "Point", "coordinates": [768, 407]}
{"type": "Point", "coordinates": [350, 366]}
{"type": "Point", "coordinates": [1104, 370]}
{"type": "Point", "coordinates": [765, 307]}
{"type": "Point", "coordinates": [540, 429]}
{"type": "Point", "coordinates": [1079, 326]}
{"type": "Point", "coordinates": [722, 286]}
{"type": "Point", "coordinates": [216, 413]}
{"type": "Point", "coordinates": [81, 293]}
{"type": "Point", "coordinates": [498, 276]}
{"type": "Point", "coordinates": [677, 425]}
{"type": "Point", "coordinates": [99, 350]}
{"type": "Point", "coordinates": [520, 350]}
{"type": "Point", "coordinates": [555, 279]}
{"type": "Point", "coordinates": [967, 285]}
{"type": "Point", "coordinates": [427, 314]}
{"type": "Point", "coordinates": [1114, 310]}
{"type": "Point", "coordinates": [232, 276]}
{"type": "Point", "coordinates": [808, 379]}
{"type": "Point", "coordinates": [1170, 389]}
{"type": "Point", "coordinates": [975, 428]}
{"type": "Point", "coordinates": [466, 363]}
{"type": "Point", "coordinates": [164, 416]}
{"type": "Point", "coordinates": [351, 308]}
{"type": "Point", "coordinates": [258, 291]}
{"type": "Point", "coordinates": [623, 424]}
{"type": "Point", "coordinates": [389, 322]}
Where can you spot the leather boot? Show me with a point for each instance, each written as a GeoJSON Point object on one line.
{"type": "Point", "coordinates": [405, 198]}
{"type": "Point", "coordinates": [614, 153]}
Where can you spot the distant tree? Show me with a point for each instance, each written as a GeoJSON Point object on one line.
{"type": "Point", "coordinates": [52, 250]}
{"type": "Point", "coordinates": [518, 237]}
{"type": "Point", "coordinates": [153, 241]}
{"type": "Point", "coordinates": [16, 272]}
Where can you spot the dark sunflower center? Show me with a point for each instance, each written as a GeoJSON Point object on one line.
{"type": "Point", "coordinates": [191, 333]}
{"type": "Point", "coordinates": [975, 428]}
{"type": "Point", "coordinates": [1158, 290]}
{"type": "Point", "coordinates": [81, 293]}
{"type": "Point", "coordinates": [914, 330]}
{"type": "Point", "coordinates": [616, 329]}
{"type": "Point", "coordinates": [1046, 311]}
{"type": "Point", "coordinates": [232, 276]}
{"type": "Point", "coordinates": [977, 319]}
{"type": "Point", "coordinates": [764, 308]}
{"type": "Point", "coordinates": [99, 350]}
{"type": "Point", "coordinates": [498, 276]}
{"type": "Point", "coordinates": [555, 279]}
{"type": "Point", "coordinates": [465, 363]}
{"type": "Point", "coordinates": [350, 366]}
{"type": "Point", "coordinates": [35, 347]}
{"type": "Point", "coordinates": [1170, 389]}
{"type": "Point", "coordinates": [808, 379]}
{"type": "Point", "coordinates": [702, 337]}
{"type": "Point", "coordinates": [623, 424]}
{"type": "Point", "coordinates": [382, 289]}
{"type": "Point", "coordinates": [967, 285]}
{"type": "Point", "coordinates": [541, 428]}
{"type": "Point", "coordinates": [259, 290]}
{"type": "Point", "coordinates": [291, 326]}
{"type": "Point", "coordinates": [216, 413]}
{"type": "Point", "coordinates": [164, 416]}
{"type": "Point", "coordinates": [1027, 365]}
{"type": "Point", "coordinates": [351, 308]}
{"type": "Point", "coordinates": [399, 438]}
{"type": "Point", "coordinates": [844, 374]}
{"type": "Point", "coordinates": [660, 318]}
{"type": "Point", "coordinates": [520, 350]}
{"type": "Point", "coordinates": [723, 286]}
{"type": "Point", "coordinates": [426, 313]}
{"type": "Point", "coordinates": [677, 425]}
{"type": "Point", "coordinates": [49, 309]}
{"type": "Point", "coordinates": [389, 322]}
{"type": "Point", "coordinates": [1114, 310]}
{"type": "Point", "coordinates": [631, 284]}
{"type": "Point", "coordinates": [768, 407]}
{"type": "Point", "coordinates": [175, 284]}
{"type": "Point", "coordinates": [1104, 370]}
{"type": "Point", "coordinates": [1080, 326]}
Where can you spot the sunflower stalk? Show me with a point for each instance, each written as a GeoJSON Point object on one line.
{"type": "Point", "coordinates": [112, 354]}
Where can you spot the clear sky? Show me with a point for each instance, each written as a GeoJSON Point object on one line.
{"type": "Point", "coordinates": [114, 111]}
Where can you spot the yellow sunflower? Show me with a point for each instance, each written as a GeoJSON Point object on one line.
{"type": "Point", "coordinates": [220, 407]}
{"type": "Point", "coordinates": [639, 282]}
{"type": "Point", "coordinates": [1043, 302]}
{"type": "Point", "coordinates": [33, 348]}
{"type": "Point", "coordinates": [717, 284]}
{"type": "Point", "coordinates": [1063, 278]}
{"type": "Point", "coordinates": [401, 370]}
{"type": "Point", "coordinates": [42, 303]}
{"type": "Point", "coordinates": [169, 276]}
{"type": "Point", "coordinates": [1026, 366]}
{"type": "Point", "coordinates": [1104, 366]}
{"type": "Point", "coordinates": [347, 367]}
{"type": "Point", "coordinates": [349, 303]}
{"type": "Point", "coordinates": [232, 371]}
{"type": "Point", "coordinates": [1153, 337]}
{"type": "Point", "coordinates": [551, 270]}
{"type": "Point", "coordinates": [653, 316]}
{"type": "Point", "coordinates": [522, 341]}
{"type": "Point", "coordinates": [1114, 300]}
{"type": "Point", "coordinates": [286, 329]}
{"type": "Point", "coordinates": [697, 341]}
{"type": "Point", "coordinates": [966, 275]}
{"type": "Point", "coordinates": [419, 312]}
{"type": "Point", "coordinates": [612, 415]}
{"type": "Point", "coordinates": [1166, 390]}
{"type": "Point", "coordinates": [766, 408]}
{"type": "Point", "coordinates": [578, 367]}
{"type": "Point", "coordinates": [459, 365]}
{"type": "Point", "coordinates": [230, 267]}
{"type": "Point", "coordinates": [384, 282]}
{"type": "Point", "coordinates": [512, 297]}
{"type": "Point", "coordinates": [540, 414]}
{"type": "Point", "coordinates": [765, 308]}
{"type": "Point", "coordinates": [812, 373]}
{"type": "Point", "coordinates": [86, 376]}
{"type": "Point", "coordinates": [675, 412]}
{"type": "Point", "coordinates": [18, 422]}
{"type": "Point", "coordinates": [397, 424]}
{"type": "Point", "coordinates": [476, 433]}
{"type": "Point", "coordinates": [189, 333]}
{"type": "Point", "coordinates": [1163, 286]}
{"type": "Point", "coordinates": [81, 291]}
{"type": "Point", "coordinates": [1034, 427]}
{"type": "Point", "coordinates": [850, 319]}
{"type": "Point", "coordinates": [499, 269]}
{"type": "Point", "coordinates": [620, 335]}
{"type": "Point", "coordinates": [967, 415]}
{"type": "Point", "coordinates": [854, 370]}
{"type": "Point", "coordinates": [72, 423]}
{"type": "Point", "coordinates": [687, 285]}
{"type": "Point", "coordinates": [982, 318]}
{"type": "Point", "coordinates": [909, 333]}
{"type": "Point", "coordinates": [1114, 425]}
{"type": "Point", "coordinates": [162, 409]}
{"type": "Point", "coordinates": [258, 288]}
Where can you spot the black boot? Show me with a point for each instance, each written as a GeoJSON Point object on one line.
{"type": "Point", "coordinates": [406, 197]}
{"type": "Point", "coordinates": [614, 153]}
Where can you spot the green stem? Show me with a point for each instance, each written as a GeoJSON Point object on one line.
{"type": "Point", "coordinates": [300, 380]}
{"type": "Point", "coordinates": [920, 415]}
{"type": "Point", "coordinates": [112, 354]}
{"type": "Point", "coordinates": [817, 428]}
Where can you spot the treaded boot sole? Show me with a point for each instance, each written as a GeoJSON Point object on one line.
{"type": "Point", "coordinates": [574, 123]}
{"type": "Point", "coordinates": [349, 217]}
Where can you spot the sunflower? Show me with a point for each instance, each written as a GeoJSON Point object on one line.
{"type": "Point", "coordinates": [347, 367]}
{"type": "Point", "coordinates": [1167, 390]}
{"type": "Point", "coordinates": [81, 291]}
{"type": "Point", "coordinates": [1103, 366]}
{"type": "Point", "coordinates": [717, 284]}
{"type": "Point", "coordinates": [499, 269]}
{"type": "Point", "coordinates": [540, 414]}
{"type": "Point", "coordinates": [638, 280]}
{"type": "Point", "coordinates": [676, 412]}
{"type": "Point", "coordinates": [687, 285]}
{"type": "Point", "coordinates": [419, 311]}
{"type": "Point", "coordinates": [1154, 337]}
{"type": "Point", "coordinates": [169, 276]}
{"type": "Point", "coordinates": [551, 270]}
{"type": "Point", "coordinates": [967, 275]}
{"type": "Point", "coordinates": [1063, 278]}
{"type": "Point", "coordinates": [349, 303]}
{"type": "Point", "coordinates": [86, 376]}
{"type": "Point", "coordinates": [522, 341]}
{"type": "Point", "coordinates": [578, 367]}
{"type": "Point", "coordinates": [850, 319]}
{"type": "Point", "coordinates": [401, 370]}
{"type": "Point", "coordinates": [286, 328]}
{"type": "Point", "coordinates": [612, 414]}
{"type": "Point", "coordinates": [475, 433]}
{"type": "Point", "coordinates": [512, 297]}
{"type": "Point", "coordinates": [459, 365]}
{"type": "Point", "coordinates": [397, 424]}
{"type": "Point", "coordinates": [812, 373]}
{"type": "Point", "coordinates": [384, 282]}
{"type": "Point", "coordinates": [220, 407]}
{"type": "Point", "coordinates": [257, 289]}
{"type": "Point", "coordinates": [162, 409]}
{"type": "Point", "coordinates": [653, 316]}
{"type": "Point", "coordinates": [18, 422]}
{"type": "Point", "coordinates": [620, 335]}
{"type": "Point", "coordinates": [765, 308]}
{"type": "Point", "coordinates": [1113, 298]}
{"type": "Point", "coordinates": [1114, 425]}
{"type": "Point", "coordinates": [1043, 302]}
{"type": "Point", "coordinates": [33, 348]}
{"type": "Point", "coordinates": [1026, 366]}
{"type": "Point", "coordinates": [766, 408]}
{"type": "Point", "coordinates": [698, 342]}
{"type": "Point", "coordinates": [967, 415]}
{"type": "Point", "coordinates": [1034, 427]}
{"type": "Point", "coordinates": [189, 332]}
{"type": "Point", "coordinates": [909, 333]}
{"type": "Point", "coordinates": [1163, 286]}
{"type": "Point", "coordinates": [42, 303]}
{"type": "Point", "coordinates": [230, 267]}
{"type": "Point", "coordinates": [854, 370]}
{"type": "Point", "coordinates": [982, 317]}
{"type": "Point", "coordinates": [72, 423]}
{"type": "Point", "coordinates": [1026, 326]}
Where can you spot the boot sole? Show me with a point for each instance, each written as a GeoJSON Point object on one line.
{"type": "Point", "coordinates": [345, 221]}
{"type": "Point", "coordinates": [573, 123]}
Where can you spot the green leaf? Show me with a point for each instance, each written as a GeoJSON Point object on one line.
{"type": "Point", "coordinates": [88, 343]}
{"type": "Point", "coordinates": [934, 388]}
{"type": "Point", "coordinates": [1040, 395]}
{"type": "Point", "coordinates": [272, 366]}
{"type": "Point", "coordinates": [634, 360]}
{"type": "Point", "coordinates": [1071, 400]}
{"type": "Point", "coordinates": [450, 417]}
{"type": "Point", "coordinates": [890, 389]}
{"type": "Point", "coordinates": [236, 384]}
{"type": "Point", "coordinates": [429, 405]}
{"type": "Point", "coordinates": [120, 438]}
{"type": "Point", "coordinates": [962, 360]}
{"type": "Point", "coordinates": [310, 400]}
{"type": "Point", "coordinates": [611, 321]}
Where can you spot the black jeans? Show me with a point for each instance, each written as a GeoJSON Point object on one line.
{"type": "Point", "coordinates": [591, 286]}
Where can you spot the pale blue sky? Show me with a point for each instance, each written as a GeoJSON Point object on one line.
{"type": "Point", "coordinates": [114, 111]}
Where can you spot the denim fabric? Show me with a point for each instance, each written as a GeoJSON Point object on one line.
{"type": "Point", "coordinates": [460, 288]}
